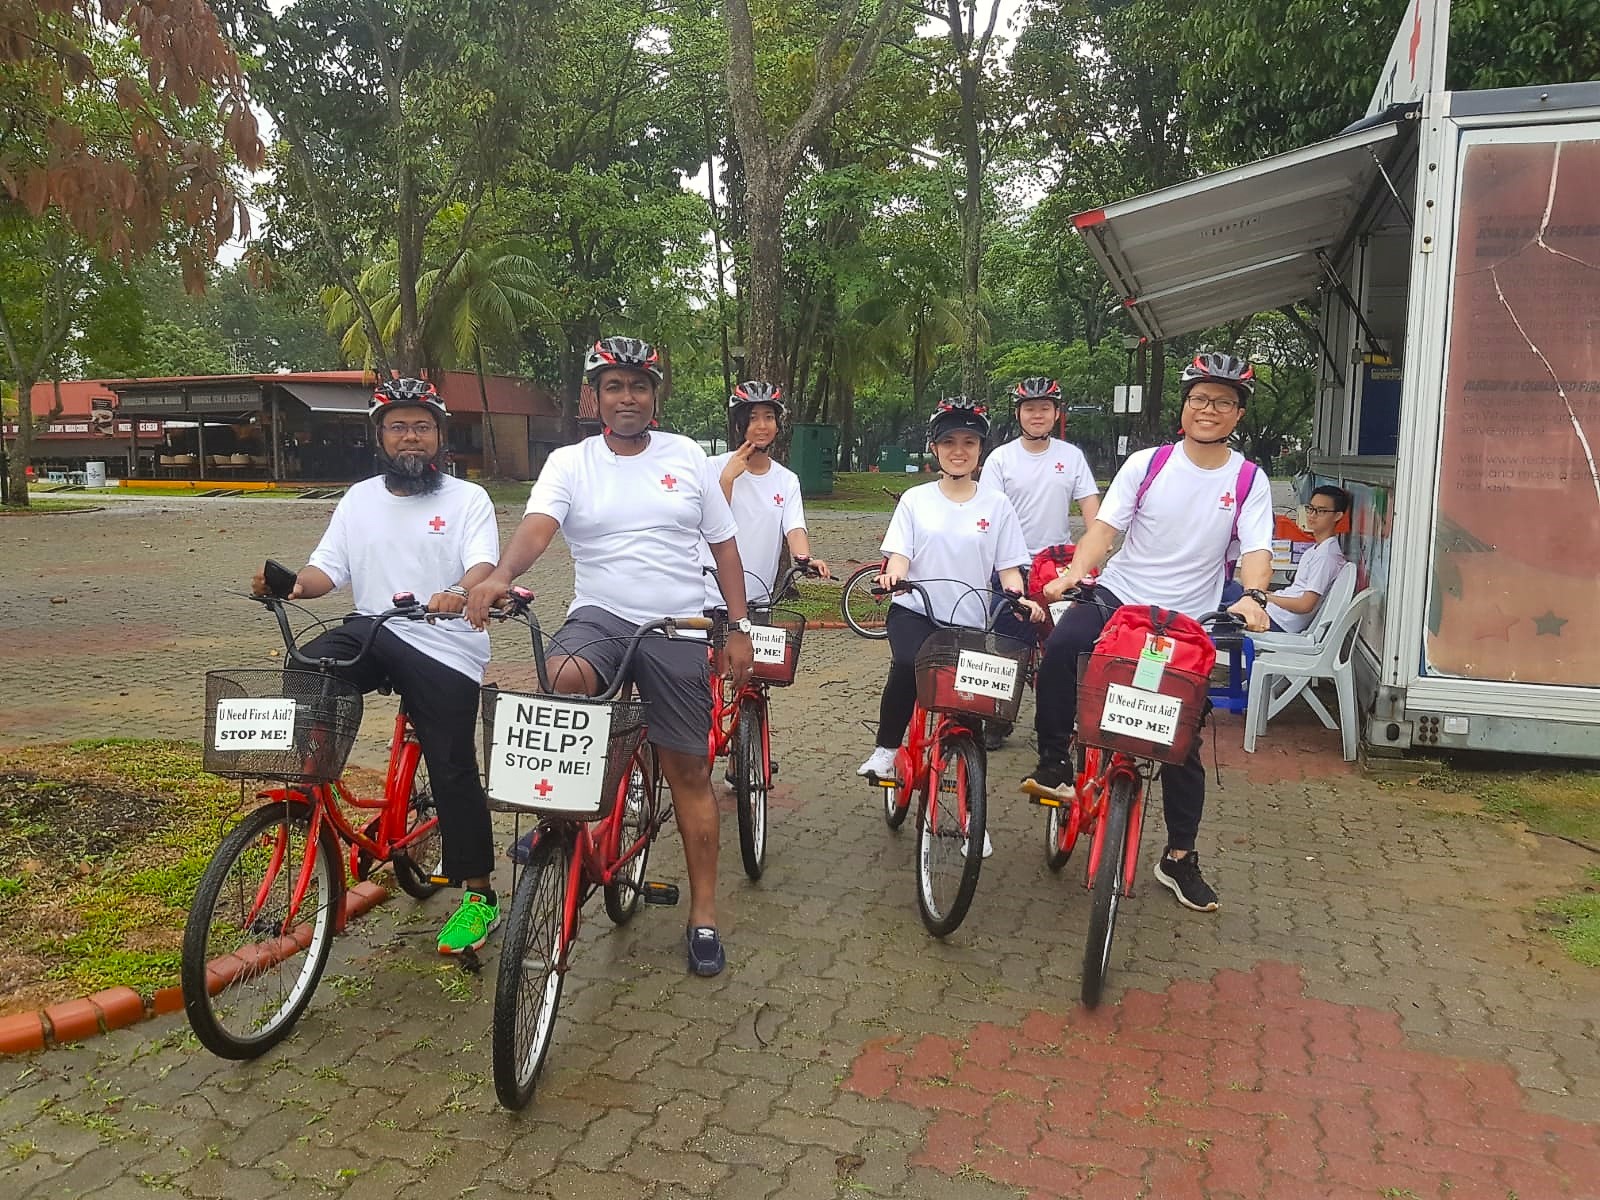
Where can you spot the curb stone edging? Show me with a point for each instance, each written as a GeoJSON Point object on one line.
{"type": "Point", "coordinates": [119, 1007]}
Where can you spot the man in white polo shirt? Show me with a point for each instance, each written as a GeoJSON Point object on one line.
{"type": "Point", "coordinates": [633, 505]}
{"type": "Point", "coordinates": [1292, 609]}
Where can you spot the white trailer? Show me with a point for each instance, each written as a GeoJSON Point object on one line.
{"type": "Point", "coordinates": [1451, 243]}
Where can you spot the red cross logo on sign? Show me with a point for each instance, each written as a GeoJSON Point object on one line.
{"type": "Point", "coordinates": [1226, 500]}
{"type": "Point", "coordinates": [543, 787]}
{"type": "Point", "coordinates": [777, 498]}
{"type": "Point", "coordinates": [668, 482]}
{"type": "Point", "coordinates": [983, 525]}
{"type": "Point", "coordinates": [437, 524]}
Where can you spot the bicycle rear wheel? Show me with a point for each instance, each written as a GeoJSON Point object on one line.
{"type": "Point", "coordinates": [950, 824]}
{"type": "Point", "coordinates": [863, 612]}
{"type": "Point", "coordinates": [249, 968]}
{"type": "Point", "coordinates": [532, 966]}
{"type": "Point", "coordinates": [415, 866]}
{"type": "Point", "coordinates": [641, 811]}
{"type": "Point", "coordinates": [751, 773]}
{"type": "Point", "coordinates": [1110, 883]}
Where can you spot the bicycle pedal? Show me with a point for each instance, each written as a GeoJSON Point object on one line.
{"type": "Point", "coordinates": [883, 782]}
{"type": "Point", "coordinates": [773, 763]}
{"type": "Point", "coordinates": [659, 893]}
{"type": "Point", "coordinates": [1048, 797]}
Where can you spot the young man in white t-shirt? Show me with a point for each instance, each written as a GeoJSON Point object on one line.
{"type": "Point", "coordinates": [634, 504]}
{"type": "Point", "coordinates": [1177, 536]}
{"type": "Point", "coordinates": [764, 495]}
{"type": "Point", "coordinates": [1043, 477]}
{"type": "Point", "coordinates": [1292, 609]}
{"type": "Point", "coordinates": [415, 529]}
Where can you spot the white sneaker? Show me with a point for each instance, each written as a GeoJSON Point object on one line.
{"type": "Point", "coordinates": [988, 847]}
{"type": "Point", "coordinates": [880, 764]}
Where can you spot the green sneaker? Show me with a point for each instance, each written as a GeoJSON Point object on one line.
{"type": "Point", "coordinates": [470, 926]}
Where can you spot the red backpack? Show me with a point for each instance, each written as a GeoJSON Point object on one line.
{"type": "Point", "coordinates": [1132, 627]}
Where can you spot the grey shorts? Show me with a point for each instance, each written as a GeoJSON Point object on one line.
{"type": "Point", "coordinates": [673, 677]}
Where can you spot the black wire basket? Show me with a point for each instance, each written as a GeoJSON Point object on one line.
{"type": "Point", "coordinates": [972, 673]}
{"type": "Point", "coordinates": [265, 723]}
{"type": "Point", "coordinates": [1160, 723]}
{"type": "Point", "coordinates": [551, 793]}
{"type": "Point", "coordinates": [778, 671]}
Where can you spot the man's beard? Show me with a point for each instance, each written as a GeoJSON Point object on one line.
{"type": "Point", "coordinates": [411, 474]}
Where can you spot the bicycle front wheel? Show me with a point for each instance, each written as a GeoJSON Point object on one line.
{"type": "Point", "coordinates": [1060, 830]}
{"type": "Point", "coordinates": [1110, 883]}
{"type": "Point", "coordinates": [950, 825]}
{"type": "Point", "coordinates": [415, 866]}
{"type": "Point", "coordinates": [532, 966]}
{"type": "Point", "coordinates": [751, 773]}
{"type": "Point", "coordinates": [640, 812]}
{"type": "Point", "coordinates": [863, 612]}
{"type": "Point", "coordinates": [252, 956]}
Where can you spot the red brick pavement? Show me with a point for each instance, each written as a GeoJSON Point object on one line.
{"type": "Point", "coordinates": [1239, 1087]}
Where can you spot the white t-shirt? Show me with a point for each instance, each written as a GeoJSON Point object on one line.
{"type": "Point", "coordinates": [1319, 567]}
{"type": "Point", "coordinates": [1041, 486]}
{"type": "Point", "coordinates": [380, 544]}
{"type": "Point", "coordinates": [1175, 548]}
{"type": "Point", "coordinates": [765, 507]}
{"type": "Point", "coordinates": [634, 523]}
{"type": "Point", "coordinates": [949, 541]}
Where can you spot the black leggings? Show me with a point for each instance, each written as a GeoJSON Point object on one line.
{"type": "Point", "coordinates": [1183, 785]}
{"type": "Point", "coordinates": [907, 631]}
{"type": "Point", "coordinates": [443, 706]}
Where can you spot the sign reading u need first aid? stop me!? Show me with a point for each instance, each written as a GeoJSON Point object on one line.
{"type": "Point", "coordinates": [986, 675]}
{"type": "Point", "coordinates": [253, 725]}
{"type": "Point", "coordinates": [548, 754]}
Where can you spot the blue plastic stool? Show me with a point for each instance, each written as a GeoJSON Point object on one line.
{"type": "Point", "coordinates": [1235, 695]}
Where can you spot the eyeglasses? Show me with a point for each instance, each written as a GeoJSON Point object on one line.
{"type": "Point", "coordinates": [1321, 512]}
{"type": "Point", "coordinates": [1223, 404]}
{"type": "Point", "coordinates": [400, 428]}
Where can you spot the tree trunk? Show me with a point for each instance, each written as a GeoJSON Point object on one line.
{"type": "Point", "coordinates": [847, 423]}
{"type": "Point", "coordinates": [491, 461]}
{"type": "Point", "coordinates": [21, 449]}
{"type": "Point", "coordinates": [973, 382]}
{"type": "Point", "coordinates": [763, 336]}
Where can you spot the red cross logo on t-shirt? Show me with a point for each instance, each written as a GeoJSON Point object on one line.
{"type": "Point", "coordinates": [1226, 500]}
{"type": "Point", "coordinates": [983, 525]}
{"type": "Point", "coordinates": [777, 498]}
{"type": "Point", "coordinates": [668, 482]}
{"type": "Point", "coordinates": [1060, 467]}
{"type": "Point", "coordinates": [543, 787]}
{"type": "Point", "coordinates": [437, 524]}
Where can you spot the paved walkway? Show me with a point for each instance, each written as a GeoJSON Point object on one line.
{"type": "Point", "coordinates": [1369, 1015]}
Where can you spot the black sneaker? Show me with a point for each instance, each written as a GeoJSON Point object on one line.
{"type": "Point", "coordinates": [995, 734]}
{"type": "Point", "coordinates": [1183, 876]}
{"type": "Point", "coordinates": [1052, 774]}
{"type": "Point", "coordinates": [706, 956]}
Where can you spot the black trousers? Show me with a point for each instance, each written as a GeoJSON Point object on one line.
{"type": "Point", "coordinates": [907, 631]}
{"type": "Point", "coordinates": [1183, 785]}
{"type": "Point", "coordinates": [443, 706]}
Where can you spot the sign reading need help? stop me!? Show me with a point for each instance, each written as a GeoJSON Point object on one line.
{"type": "Point", "coordinates": [548, 754]}
{"type": "Point", "coordinates": [254, 725]}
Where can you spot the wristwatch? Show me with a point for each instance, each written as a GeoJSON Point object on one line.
{"type": "Point", "coordinates": [742, 625]}
{"type": "Point", "coordinates": [1257, 595]}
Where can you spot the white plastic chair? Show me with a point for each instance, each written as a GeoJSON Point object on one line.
{"type": "Point", "coordinates": [1335, 602]}
{"type": "Point", "coordinates": [1330, 658]}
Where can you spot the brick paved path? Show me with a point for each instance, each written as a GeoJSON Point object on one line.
{"type": "Point", "coordinates": [1370, 1014]}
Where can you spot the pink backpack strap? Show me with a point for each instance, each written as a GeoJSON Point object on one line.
{"type": "Point", "coordinates": [1241, 491]}
{"type": "Point", "coordinates": [1157, 461]}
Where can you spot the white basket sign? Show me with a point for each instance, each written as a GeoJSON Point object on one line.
{"type": "Point", "coordinates": [769, 643]}
{"type": "Point", "coordinates": [548, 755]}
{"type": "Point", "coordinates": [1148, 716]}
{"type": "Point", "coordinates": [254, 725]}
{"type": "Point", "coordinates": [986, 675]}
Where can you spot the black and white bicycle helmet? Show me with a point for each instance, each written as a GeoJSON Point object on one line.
{"type": "Point", "coordinates": [957, 413]}
{"type": "Point", "coordinates": [1038, 387]}
{"type": "Point", "coordinates": [622, 352]}
{"type": "Point", "coordinates": [405, 393]}
{"type": "Point", "coordinates": [1215, 367]}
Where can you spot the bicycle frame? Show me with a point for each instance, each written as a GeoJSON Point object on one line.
{"type": "Point", "coordinates": [1101, 769]}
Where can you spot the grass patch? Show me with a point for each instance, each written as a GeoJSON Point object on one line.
{"type": "Point", "coordinates": [101, 846]}
{"type": "Point", "coordinates": [39, 506]}
{"type": "Point", "coordinates": [863, 491]}
{"type": "Point", "coordinates": [1574, 921]}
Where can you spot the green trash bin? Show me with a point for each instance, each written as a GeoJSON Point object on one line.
{"type": "Point", "coordinates": [892, 460]}
{"type": "Point", "coordinates": [812, 452]}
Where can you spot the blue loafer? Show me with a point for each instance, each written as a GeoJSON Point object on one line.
{"type": "Point", "coordinates": [706, 956]}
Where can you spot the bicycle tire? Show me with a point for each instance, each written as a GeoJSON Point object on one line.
{"type": "Point", "coordinates": [245, 979]}
{"type": "Point", "coordinates": [896, 804]}
{"type": "Point", "coordinates": [939, 849]}
{"type": "Point", "coordinates": [863, 612]}
{"type": "Point", "coordinates": [1059, 837]}
{"type": "Point", "coordinates": [751, 774]}
{"type": "Point", "coordinates": [415, 866]}
{"type": "Point", "coordinates": [640, 811]}
{"type": "Point", "coordinates": [1109, 886]}
{"type": "Point", "coordinates": [533, 955]}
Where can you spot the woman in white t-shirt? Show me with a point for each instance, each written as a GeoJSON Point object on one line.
{"type": "Point", "coordinates": [950, 537]}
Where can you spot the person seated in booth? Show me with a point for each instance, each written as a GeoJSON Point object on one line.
{"type": "Point", "coordinates": [1292, 609]}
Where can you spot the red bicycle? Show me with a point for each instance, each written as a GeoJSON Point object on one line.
{"type": "Point", "coordinates": [741, 725]}
{"type": "Point", "coordinates": [964, 676]}
{"type": "Point", "coordinates": [1125, 732]}
{"type": "Point", "coordinates": [271, 900]}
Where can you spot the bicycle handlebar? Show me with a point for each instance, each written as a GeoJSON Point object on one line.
{"type": "Point", "coordinates": [910, 585]}
{"type": "Point", "coordinates": [407, 608]}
